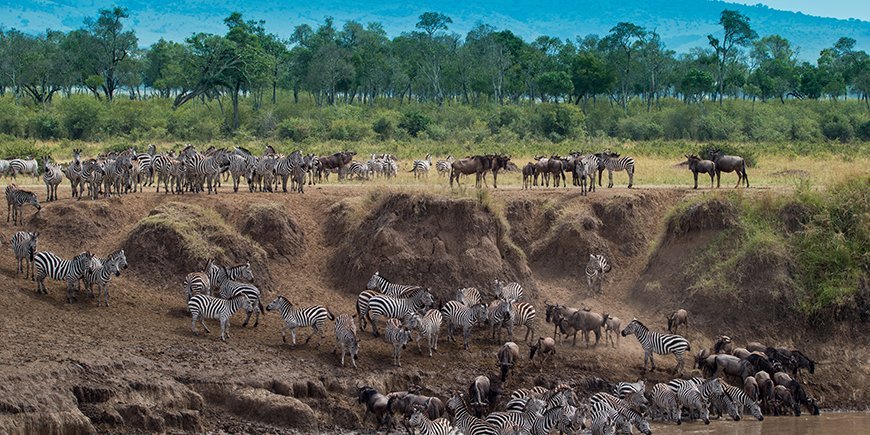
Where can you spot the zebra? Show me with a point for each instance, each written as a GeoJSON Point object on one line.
{"type": "Point", "coordinates": [102, 274]}
{"type": "Point", "coordinates": [524, 315]}
{"type": "Point", "coordinates": [197, 283]}
{"type": "Point", "coordinates": [24, 245]}
{"type": "Point", "coordinates": [52, 176]}
{"type": "Point", "coordinates": [362, 305]}
{"type": "Point", "coordinates": [230, 288]}
{"type": "Point", "coordinates": [398, 336]}
{"type": "Point", "coordinates": [428, 326]}
{"type": "Point", "coordinates": [421, 167]}
{"type": "Point", "coordinates": [288, 166]}
{"type": "Point", "coordinates": [742, 400]}
{"type": "Point", "coordinates": [655, 342]}
{"type": "Point", "coordinates": [523, 419]}
{"type": "Point", "coordinates": [595, 270]}
{"type": "Point", "coordinates": [92, 174]}
{"type": "Point", "coordinates": [468, 296]}
{"type": "Point", "coordinates": [665, 402]}
{"type": "Point", "coordinates": [465, 421]}
{"type": "Point", "coordinates": [239, 164]}
{"type": "Point", "coordinates": [707, 391]}
{"type": "Point", "coordinates": [443, 166]}
{"type": "Point", "coordinates": [345, 337]}
{"type": "Point", "coordinates": [460, 315]}
{"type": "Point", "coordinates": [358, 169]}
{"type": "Point", "coordinates": [500, 315]}
{"type": "Point", "coordinates": [4, 167]}
{"type": "Point", "coordinates": [625, 413]}
{"type": "Point", "coordinates": [603, 420]}
{"type": "Point", "coordinates": [425, 426]}
{"type": "Point", "coordinates": [165, 165]}
{"type": "Point", "coordinates": [48, 264]}
{"type": "Point", "coordinates": [17, 198]}
{"type": "Point", "coordinates": [218, 274]}
{"type": "Point", "coordinates": [612, 162]}
{"type": "Point", "coordinates": [207, 169]}
{"type": "Point", "coordinates": [90, 275]}
{"type": "Point", "coordinates": [383, 285]}
{"type": "Point", "coordinates": [690, 397]}
{"type": "Point", "coordinates": [24, 166]}
{"type": "Point", "coordinates": [625, 389]}
{"type": "Point", "coordinates": [73, 173]}
{"type": "Point", "coordinates": [209, 307]}
{"type": "Point", "coordinates": [512, 291]}
{"type": "Point", "coordinates": [390, 307]}
{"type": "Point", "coordinates": [313, 316]}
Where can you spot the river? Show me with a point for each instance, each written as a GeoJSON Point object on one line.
{"type": "Point", "coordinates": [828, 423]}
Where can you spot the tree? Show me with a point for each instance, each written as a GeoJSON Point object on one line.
{"type": "Point", "coordinates": [253, 67]}
{"type": "Point", "coordinates": [622, 43]}
{"type": "Point", "coordinates": [775, 65]}
{"type": "Point", "coordinates": [164, 67]}
{"type": "Point", "coordinates": [590, 75]}
{"type": "Point", "coordinates": [113, 45]}
{"type": "Point", "coordinates": [738, 33]}
{"type": "Point", "coordinates": [433, 22]}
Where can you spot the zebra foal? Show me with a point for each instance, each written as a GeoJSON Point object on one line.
{"type": "Point", "coordinates": [24, 245]}
{"type": "Point", "coordinates": [345, 337]}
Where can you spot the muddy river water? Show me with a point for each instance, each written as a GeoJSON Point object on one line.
{"type": "Point", "coordinates": [828, 423]}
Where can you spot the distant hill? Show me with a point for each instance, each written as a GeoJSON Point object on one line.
{"type": "Point", "coordinates": [683, 24]}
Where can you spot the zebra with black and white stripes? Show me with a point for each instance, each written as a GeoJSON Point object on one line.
{"type": "Point", "coordinates": [425, 426]}
{"type": "Point", "coordinates": [48, 265]}
{"type": "Point", "coordinates": [524, 315]}
{"type": "Point", "coordinates": [52, 177]}
{"type": "Point", "coordinates": [443, 166]}
{"type": "Point", "coordinates": [359, 170]}
{"type": "Point", "coordinates": [656, 342]}
{"type": "Point", "coordinates": [596, 268]}
{"type": "Point", "coordinates": [428, 326]}
{"type": "Point", "coordinates": [421, 167]}
{"type": "Point", "coordinates": [24, 166]}
{"type": "Point", "coordinates": [197, 283]}
{"type": "Point", "coordinates": [314, 316]}
{"type": "Point", "coordinates": [73, 173]}
{"type": "Point", "coordinates": [383, 285]}
{"type": "Point", "coordinates": [523, 420]}
{"type": "Point", "coordinates": [390, 307]}
{"type": "Point", "coordinates": [89, 278]}
{"type": "Point", "coordinates": [24, 245]}
{"type": "Point", "coordinates": [468, 296]}
{"type": "Point", "coordinates": [467, 423]}
{"type": "Point", "coordinates": [460, 315]}
{"type": "Point", "coordinates": [16, 199]}
{"type": "Point", "coordinates": [665, 403]}
{"type": "Point", "coordinates": [397, 335]}
{"type": "Point", "coordinates": [345, 338]}
{"type": "Point", "coordinates": [162, 164]}
{"type": "Point", "coordinates": [92, 174]}
{"type": "Point", "coordinates": [708, 390]}
{"type": "Point", "coordinates": [218, 274]}
{"type": "Point", "coordinates": [230, 288]}
{"type": "Point", "coordinates": [740, 400]}
{"type": "Point", "coordinates": [209, 307]}
{"type": "Point", "coordinates": [511, 291]}
{"type": "Point", "coordinates": [614, 163]}
{"type": "Point", "coordinates": [501, 315]}
{"type": "Point", "coordinates": [102, 273]}
{"type": "Point", "coordinates": [626, 413]}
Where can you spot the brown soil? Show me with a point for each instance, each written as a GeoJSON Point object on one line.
{"type": "Point", "coordinates": [137, 368]}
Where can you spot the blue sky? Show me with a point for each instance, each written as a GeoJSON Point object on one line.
{"type": "Point", "coordinates": [823, 8]}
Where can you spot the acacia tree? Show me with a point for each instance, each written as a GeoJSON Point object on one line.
{"type": "Point", "coordinates": [113, 46]}
{"type": "Point", "coordinates": [738, 33]}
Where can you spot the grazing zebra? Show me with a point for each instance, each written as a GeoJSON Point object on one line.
{"type": "Point", "coordinates": [603, 420]}
{"type": "Point", "coordinates": [17, 198]}
{"type": "Point", "coordinates": [460, 315]}
{"type": "Point", "coordinates": [421, 167]}
{"type": "Point", "coordinates": [102, 274]}
{"type": "Point", "coordinates": [419, 421]}
{"type": "Point", "coordinates": [625, 413]}
{"type": "Point", "coordinates": [707, 391]}
{"type": "Point", "coordinates": [398, 336]}
{"type": "Point", "coordinates": [468, 296]}
{"type": "Point", "coordinates": [428, 326]}
{"type": "Point", "coordinates": [389, 307]}
{"type": "Point", "coordinates": [53, 176]}
{"type": "Point", "coordinates": [24, 166]}
{"type": "Point", "coordinates": [665, 402]}
{"type": "Point", "coordinates": [595, 270]}
{"type": "Point", "coordinates": [313, 316]}
{"type": "Point", "coordinates": [612, 162]}
{"type": "Point", "coordinates": [690, 397]}
{"type": "Point", "coordinates": [511, 291]}
{"type": "Point", "coordinates": [739, 399]}
{"type": "Point", "coordinates": [383, 285]}
{"type": "Point", "coordinates": [359, 170]}
{"type": "Point", "coordinates": [443, 166]}
{"type": "Point", "coordinates": [209, 307]}
{"type": "Point", "coordinates": [625, 389]}
{"type": "Point", "coordinates": [655, 342]}
{"type": "Point", "coordinates": [465, 422]}
{"type": "Point", "coordinates": [24, 245]}
{"type": "Point", "coordinates": [345, 337]}
{"type": "Point", "coordinates": [47, 264]}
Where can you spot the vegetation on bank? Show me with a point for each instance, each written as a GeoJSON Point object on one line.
{"type": "Point", "coordinates": [807, 250]}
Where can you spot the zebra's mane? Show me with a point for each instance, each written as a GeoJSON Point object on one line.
{"type": "Point", "coordinates": [641, 324]}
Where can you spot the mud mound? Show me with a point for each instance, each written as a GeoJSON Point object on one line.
{"type": "Point", "coordinates": [529, 220]}
{"type": "Point", "coordinates": [176, 239]}
{"type": "Point", "coordinates": [279, 234]}
{"type": "Point", "coordinates": [795, 215]}
{"type": "Point", "coordinates": [440, 243]}
{"type": "Point", "coordinates": [70, 222]}
{"type": "Point", "coordinates": [713, 214]}
{"type": "Point", "coordinates": [566, 247]}
{"type": "Point", "coordinates": [626, 221]}
{"type": "Point", "coordinates": [261, 405]}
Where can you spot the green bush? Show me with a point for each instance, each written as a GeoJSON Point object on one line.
{"type": "Point", "coordinates": [348, 129]}
{"type": "Point", "coordinates": [863, 131]}
{"type": "Point", "coordinates": [718, 125]}
{"type": "Point", "coordinates": [46, 125]}
{"type": "Point", "coordinates": [414, 121]}
{"type": "Point", "coordinates": [559, 121]}
{"type": "Point", "coordinates": [12, 118]}
{"type": "Point", "coordinates": [837, 127]}
{"type": "Point", "coordinates": [188, 123]}
{"type": "Point", "coordinates": [83, 117]}
{"type": "Point", "coordinates": [384, 128]}
{"type": "Point", "coordinates": [296, 129]}
{"type": "Point", "coordinates": [640, 128]}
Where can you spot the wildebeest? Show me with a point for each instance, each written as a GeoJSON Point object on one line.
{"type": "Point", "coordinates": [508, 355]}
{"type": "Point", "coordinates": [405, 403]}
{"type": "Point", "coordinates": [337, 161]}
{"type": "Point", "coordinates": [545, 347]}
{"type": "Point", "coordinates": [797, 392]}
{"type": "Point", "coordinates": [697, 164]}
{"type": "Point", "coordinates": [725, 163]}
{"type": "Point", "coordinates": [677, 318]}
{"type": "Point", "coordinates": [586, 321]}
{"type": "Point", "coordinates": [482, 393]}
{"type": "Point", "coordinates": [528, 175]}
{"type": "Point", "coordinates": [731, 365]}
{"type": "Point", "coordinates": [612, 325]}
{"type": "Point", "coordinates": [498, 162]}
{"type": "Point", "coordinates": [470, 165]}
{"type": "Point", "coordinates": [376, 404]}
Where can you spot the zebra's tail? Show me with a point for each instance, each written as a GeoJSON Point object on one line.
{"type": "Point", "coordinates": [260, 304]}
{"type": "Point", "coordinates": [329, 314]}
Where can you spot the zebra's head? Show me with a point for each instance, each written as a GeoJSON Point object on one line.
{"type": "Point", "coordinates": [122, 259]}
{"type": "Point", "coordinates": [278, 303]}
{"type": "Point", "coordinates": [247, 273]}
{"type": "Point", "coordinates": [630, 328]}
{"type": "Point", "coordinates": [114, 266]}
{"type": "Point", "coordinates": [373, 281]}
{"type": "Point", "coordinates": [32, 244]}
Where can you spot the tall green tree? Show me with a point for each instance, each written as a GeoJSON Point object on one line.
{"type": "Point", "coordinates": [113, 44]}
{"type": "Point", "coordinates": [737, 33]}
{"type": "Point", "coordinates": [622, 44]}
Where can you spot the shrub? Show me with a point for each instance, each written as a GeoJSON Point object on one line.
{"type": "Point", "coordinates": [12, 118]}
{"type": "Point", "coordinates": [559, 121]}
{"type": "Point", "coordinates": [188, 123]}
{"type": "Point", "coordinates": [414, 121]}
{"type": "Point", "coordinates": [384, 128]}
{"type": "Point", "coordinates": [46, 125]}
{"type": "Point", "coordinates": [83, 117]}
{"type": "Point", "coordinates": [296, 129]}
{"type": "Point", "coordinates": [718, 125]}
{"type": "Point", "coordinates": [348, 129]}
{"type": "Point", "coordinates": [639, 128]}
{"type": "Point", "coordinates": [863, 131]}
{"type": "Point", "coordinates": [837, 127]}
